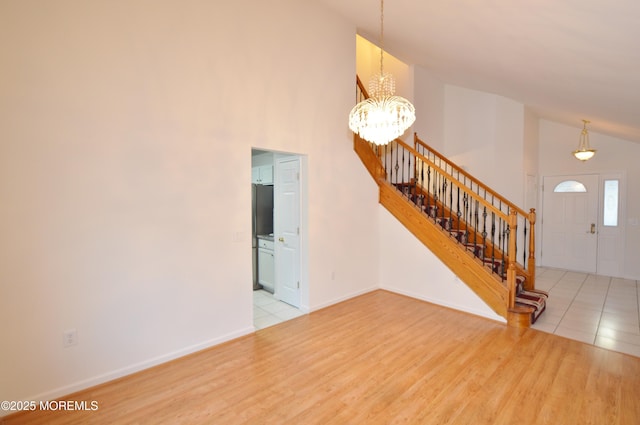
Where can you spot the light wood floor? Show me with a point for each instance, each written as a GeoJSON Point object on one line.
{"type": "Point", "coordinates": [380, 358]}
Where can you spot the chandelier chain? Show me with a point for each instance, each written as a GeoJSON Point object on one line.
{"type": "Point", "coordinates": [584, 151]}
{"type": "Point", "coordinates": [382, 117]}
{"type": "Point", "coordinates": [381, 36]}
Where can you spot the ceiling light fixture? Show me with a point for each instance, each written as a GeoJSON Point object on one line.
{"type": "Point", "coordinates": [382, 117]}
{"type": "Point", "coordinates": [584, 151]}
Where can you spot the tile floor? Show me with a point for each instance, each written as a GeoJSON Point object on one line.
{"type": "Point", "coordinates": [267, 311]}
{"type": "Point", "coordinates": [598, 310]}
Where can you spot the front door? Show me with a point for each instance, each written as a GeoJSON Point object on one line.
{"type": "Point", "coordinates": [570, 222]}
{"type": "Point", "coordinates": [287, 230]}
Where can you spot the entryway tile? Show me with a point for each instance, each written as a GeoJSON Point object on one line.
{"type": "Point", "coordinates": [615, 345]}
{"type": "Point", "coordinates": [268, 311]}
{"type": "Point", "coordinates": [575, 334]}
{"type": "Point", "coordinates": [598, 310]}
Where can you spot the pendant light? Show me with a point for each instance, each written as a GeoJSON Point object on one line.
{"type": "Point", "coordinates": [383, 117]}
{"type": "Point", "coordinates": [584, 152]}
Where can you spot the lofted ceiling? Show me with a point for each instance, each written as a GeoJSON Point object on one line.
{"type": "Point", "coordinates": [567, 60]}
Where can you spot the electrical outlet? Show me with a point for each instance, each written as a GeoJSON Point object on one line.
{"type": "Point", "coordinates": [70, 338]}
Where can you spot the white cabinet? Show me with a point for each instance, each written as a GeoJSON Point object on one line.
{"type": "Point", "coordinates": [262, 174]}
{"type": "Point", "coordinates": [266, 264]}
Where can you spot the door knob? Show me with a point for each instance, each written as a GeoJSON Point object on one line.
{"type": "Point", "coordinates": [593, 228]}
{"type": "Point", "coordinates": [281, 239]}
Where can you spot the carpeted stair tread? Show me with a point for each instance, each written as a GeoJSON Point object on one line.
{"type": "Point", "coordinates": [536, 299]}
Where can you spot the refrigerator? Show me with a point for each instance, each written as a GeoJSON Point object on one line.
{"type": "Point", "coordinates": [262, 221]}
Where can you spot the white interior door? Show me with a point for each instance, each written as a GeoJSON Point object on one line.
{"type": "Point", "coordinates": [287, 230]}
{"type": "Point", "coordinates": [570, 222]}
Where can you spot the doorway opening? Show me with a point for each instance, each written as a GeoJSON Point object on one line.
{"type": "Point", "coordinates": [279, 243]}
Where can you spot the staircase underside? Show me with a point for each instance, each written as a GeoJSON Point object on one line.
{"type": "Point", "coordinates": [460, 261]}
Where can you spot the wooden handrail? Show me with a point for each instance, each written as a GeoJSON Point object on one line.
{"type": "Point", "coordinates": [454, 180]}
{"type": "Point", "coordinates": [369, 158]}
{"type": "Point", "coordinates": [484, 187]}
{"type": "Point", "coordinates": [361, 87]}
{"type": "Point", "coordinates": [530, 216]}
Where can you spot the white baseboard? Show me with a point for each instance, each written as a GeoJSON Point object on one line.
{"type": "Point", "coordinates": [137, 367]}
{"type": "Point", "coordinates": [343, 298]}
{"type": "Point", "coordinates": [447, 304]}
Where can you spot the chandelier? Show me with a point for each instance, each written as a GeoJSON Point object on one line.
{"type": "Point", "coordinates": [584, 151]}
{"type": "Point", "coordinates": [382, 117]}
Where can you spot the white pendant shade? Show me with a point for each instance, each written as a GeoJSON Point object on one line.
{"type": "Point", "coordinates": [584, 155]}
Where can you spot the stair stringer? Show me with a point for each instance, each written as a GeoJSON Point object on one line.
{"type": "Point", "coordinates": [460, 261]}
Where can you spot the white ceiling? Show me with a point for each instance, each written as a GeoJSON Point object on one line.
{"type": "Point", "coordinates": [567, 60]}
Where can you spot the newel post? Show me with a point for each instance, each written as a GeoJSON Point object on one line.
{"type": "Point", "coordinates": [531, 263]}
{"type": "Point", "coordinates": [511, 257]}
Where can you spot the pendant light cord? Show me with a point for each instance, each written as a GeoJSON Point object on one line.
{"type": "Point", "coordinates": [381, 35]}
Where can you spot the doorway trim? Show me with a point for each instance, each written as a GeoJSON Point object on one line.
{"type": "Point", "coordinates": [304, 221]}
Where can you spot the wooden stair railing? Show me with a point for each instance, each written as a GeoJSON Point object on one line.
{"type": "Point", "coordinates": [446, 207]}
{"type": "Point", "coordinates": [526, 220]}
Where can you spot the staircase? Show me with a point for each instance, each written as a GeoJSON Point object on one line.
{"type": "Point", "coordinates": [487, 241]}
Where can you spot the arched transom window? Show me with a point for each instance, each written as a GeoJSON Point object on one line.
{"type": "Point", "coordinates": [569, 186]}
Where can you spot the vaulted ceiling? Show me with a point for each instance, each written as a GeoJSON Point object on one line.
{"type": "Point", "coordinates": [567, 60]}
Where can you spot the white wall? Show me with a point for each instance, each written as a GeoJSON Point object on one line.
{"type": "Point", "coordinates": [530, 160]}
{"type": "Point", "coordinates": [470, 130]}
{"type": "Point", "coordinates": [126, 130]}
{"type": "Point", "coordinates": [263, 158]}
{"type": "Point", "coordinates": [508, 155]}
{"type": "Point", "coordinates": [408, 267]}
{"type": "Point", "coordinates": [557, 141]}
{"type": "Point", "coordinates": [481, 130]}
{"type": "Point", "coordinates": [531, 138]}
{"type": "Point", "coordinates": [429, 103]}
